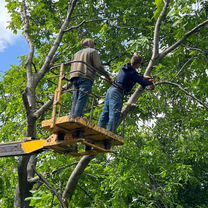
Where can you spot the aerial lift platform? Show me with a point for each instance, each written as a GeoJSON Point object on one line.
{"type": "Point", "coordinates": [68, 135]}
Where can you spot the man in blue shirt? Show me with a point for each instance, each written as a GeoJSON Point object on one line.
{"type": "Point", "coordinates": [125, 81]}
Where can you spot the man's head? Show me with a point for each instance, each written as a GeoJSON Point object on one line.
{"type": "Point", "coordinates": [136, 60]}
{"type": "Point", "coordinates": [88, 42]}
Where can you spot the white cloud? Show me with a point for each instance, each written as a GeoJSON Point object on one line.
{"type": "Point", "coordinates": [7, 38]}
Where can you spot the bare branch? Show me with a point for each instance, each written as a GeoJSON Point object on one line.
{"type": "Point", "coordinates": [182, 40]}
{"type": "Point", "coordinates": [85, 22]}
{"type": "Point", "coordinates": [28, 38]}
{"type": "Point", "coordinates": [156, 40]}
{"type": "Point", "coordinates": [183, 90]}
{"type": "Point", "coordinates": [184, 65]}
{"type": "Point", "coordinates": [44, 108]}
{"type": "Point", "coordinates": [52, 189]}
{"type": "Point", "coordinates": [196, 49]}
{"type": "Point", "coordinates": [62, 168]}
{"type": "Point", "coordinates": [57, 41]}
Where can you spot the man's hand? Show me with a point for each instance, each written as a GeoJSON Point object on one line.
{"type": "Point", "coordinates": [152, 81]}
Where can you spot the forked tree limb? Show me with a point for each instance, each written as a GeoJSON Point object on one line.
{"type": "Point", "coordinates": [24, 187]}
{"type": "Point", "coordinates": [134, 97]}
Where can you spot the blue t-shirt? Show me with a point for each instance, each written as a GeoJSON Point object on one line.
{"type": "Point", "coordinates": [128, 77]}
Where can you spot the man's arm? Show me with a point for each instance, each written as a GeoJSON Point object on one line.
{"type": "Point", "coordinates": [144, 81]}
{"type": "Point", "coordinates": [98, 65]}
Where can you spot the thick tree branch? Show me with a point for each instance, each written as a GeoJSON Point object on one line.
{"type": "Point", "coordinates": [186, 36]}
{"type": "Point", "coordinates": [156, 40]}
{"type": "Point", "coordinates": [57, 41]}
{"type": "Point", "coordinates": [184, 91]}
{"type": "Point", "coordinates": [157, 29]}
{"type": "Point", "coordinates": [30, 78]}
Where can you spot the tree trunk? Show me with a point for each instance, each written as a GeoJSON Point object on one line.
{"type": "Point", "coordinates": [25, 170]}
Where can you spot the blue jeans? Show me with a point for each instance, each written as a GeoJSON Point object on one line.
{"type": "Point", "coordinates": [112, 109]}
{"type": "Point", "coordinates": [81, 90]}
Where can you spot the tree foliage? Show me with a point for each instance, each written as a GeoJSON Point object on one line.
{"type": "Point", "coordinates": [164, 160]}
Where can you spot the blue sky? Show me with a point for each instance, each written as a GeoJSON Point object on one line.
{"type": "Point", "coordinates": [11, 46]}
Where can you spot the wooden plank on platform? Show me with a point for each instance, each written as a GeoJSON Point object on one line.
{"type": "Point", "coordinates": [90, 130]}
